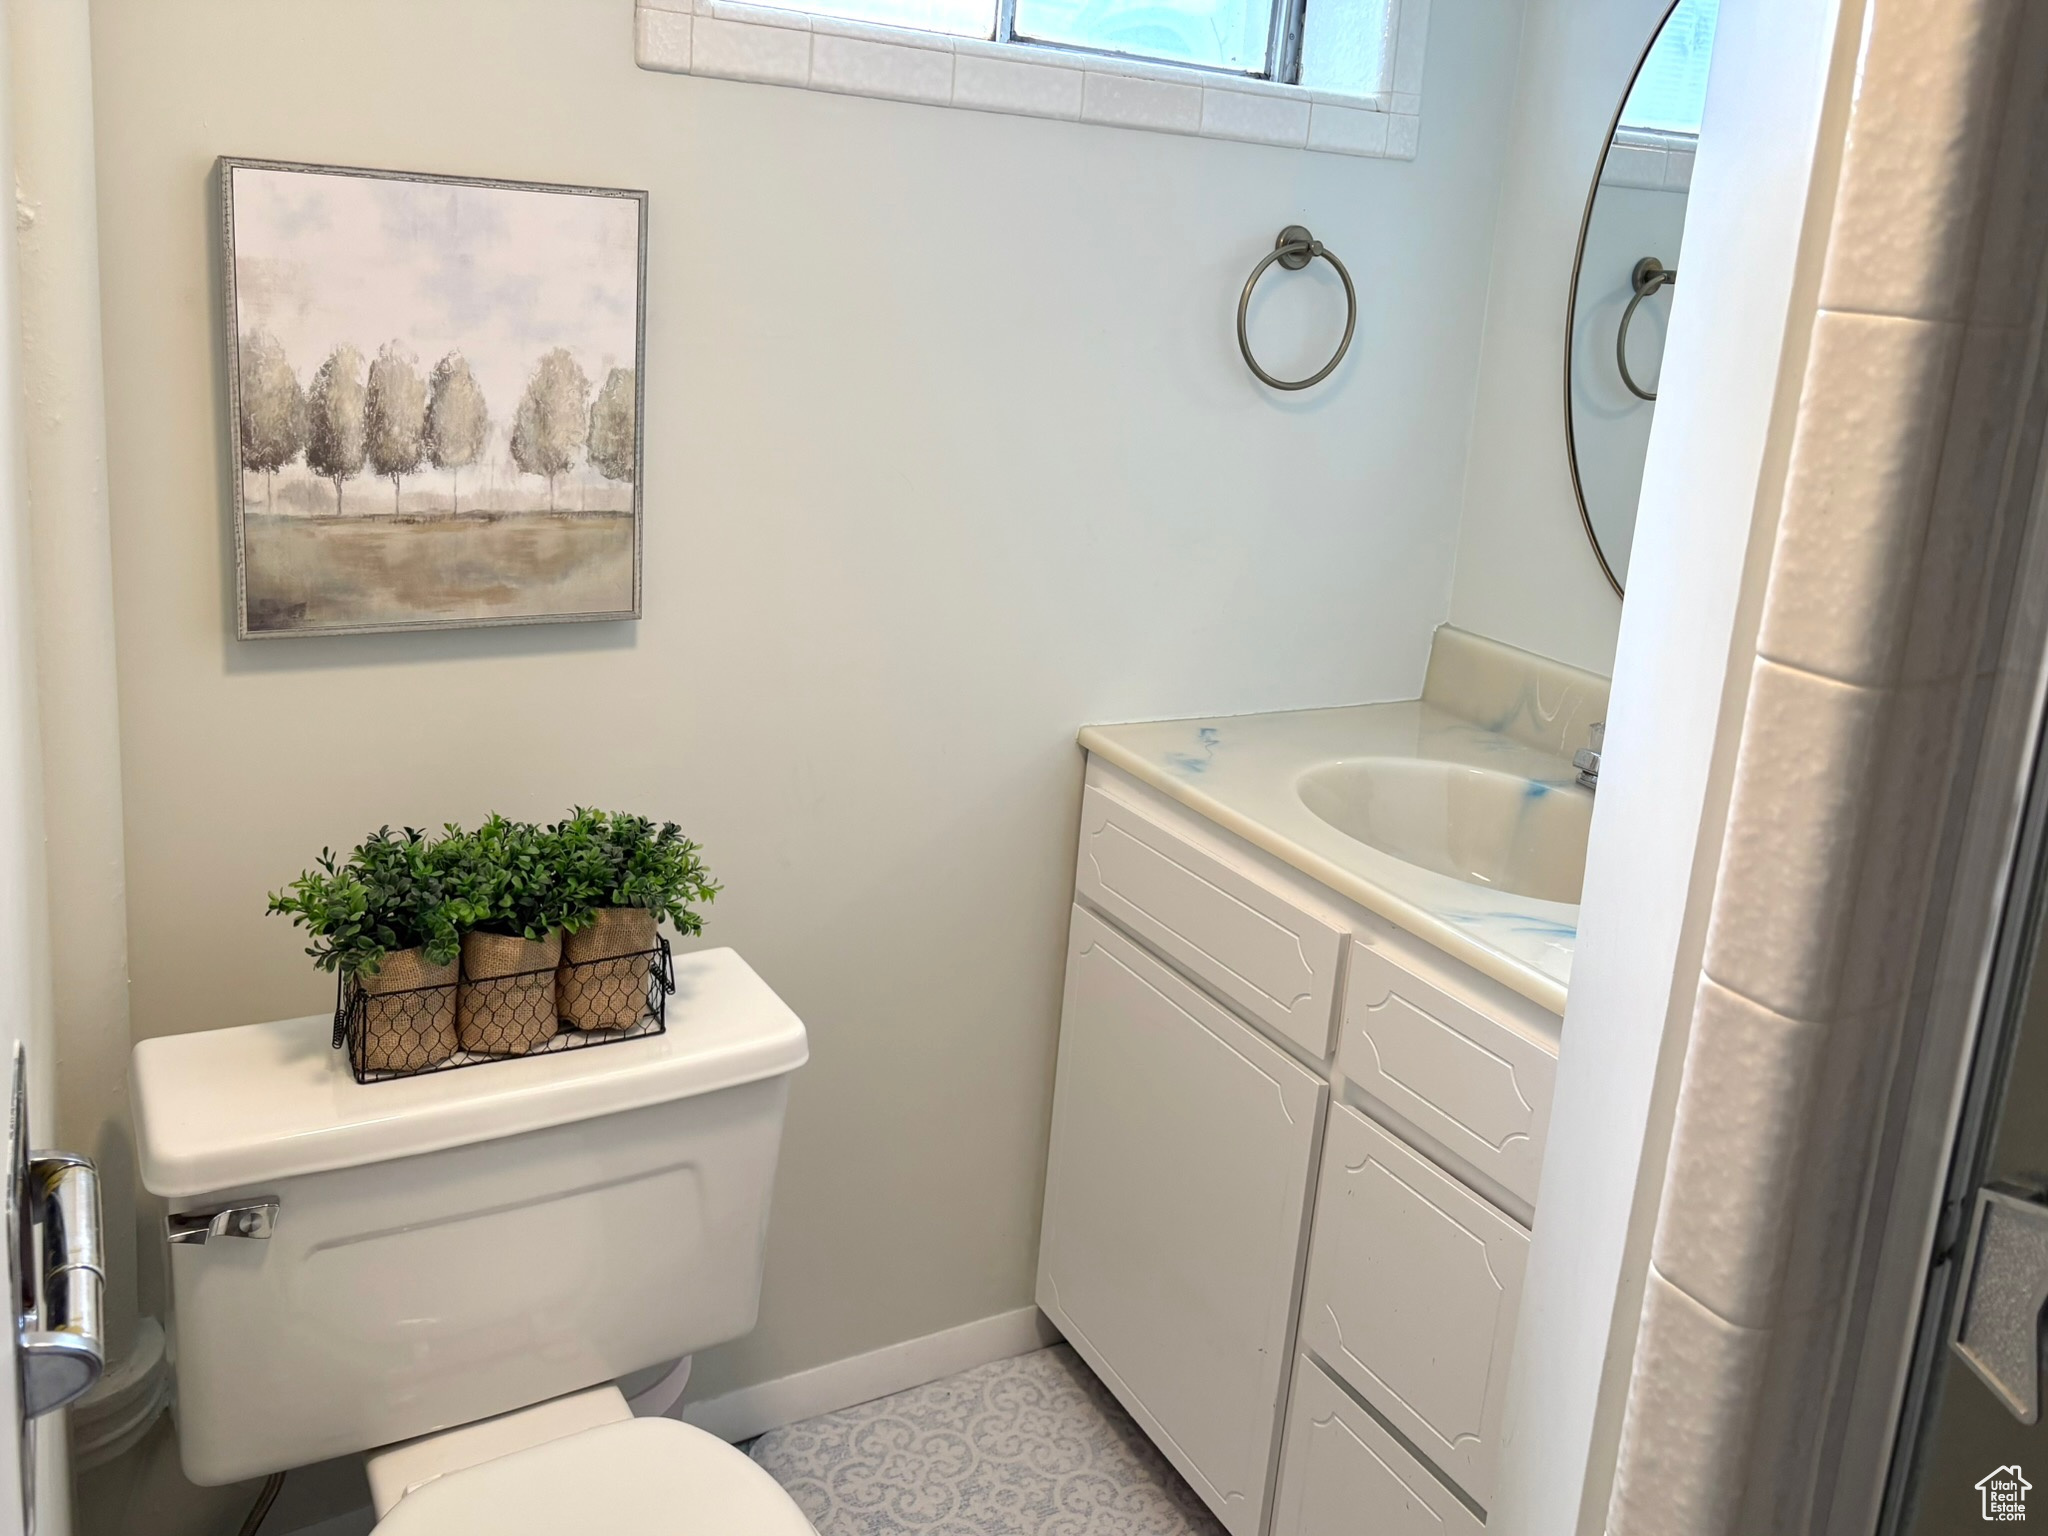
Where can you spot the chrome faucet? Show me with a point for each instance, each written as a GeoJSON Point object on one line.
{"type": "Point", "coordinates": [1587, 759]}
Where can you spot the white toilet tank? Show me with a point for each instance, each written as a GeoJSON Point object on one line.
{"type": "Point", "coordinates": [463, 1243]}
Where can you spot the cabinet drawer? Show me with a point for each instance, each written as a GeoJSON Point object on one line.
{"type": "Point", "coordinates": [1176, 1200]}
{"type": "Point", "coordinates": [1255, 947]}
{"type": "Point", "coordinates": [1413, 1285]}
{"type": "Point", "coordinates": [1478, 1086]}
{"type": "Point", "coordinates": [1341, 1474]}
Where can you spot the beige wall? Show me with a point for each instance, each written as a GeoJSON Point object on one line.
{"type": "Point", "coordinates": [1525, 573]}
{"type": "Point", "coordinates": [949, 451]}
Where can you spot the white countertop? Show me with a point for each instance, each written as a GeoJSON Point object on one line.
{"type": "Point", "coordinates": [1240, 772]}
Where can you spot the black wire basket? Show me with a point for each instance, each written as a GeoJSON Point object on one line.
{"type": "Point", "coordinates": [470, 1022]}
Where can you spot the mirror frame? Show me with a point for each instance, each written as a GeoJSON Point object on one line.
{"type": "Point", "coordinates": [1571, 299]}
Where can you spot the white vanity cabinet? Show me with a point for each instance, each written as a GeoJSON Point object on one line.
{"type": "Point", "coordinates": [1475, 1081]}
{"type": "Point", "coordinates": [1183, 1143]}
{"type": "Point", "coordinates": [1412, 1291]}
{"type": "Point", "coordinates": [1345, 1473]}
{"type": "Point", "coordinates": [1293, 1166]}
{"type": "Point", "coordinates": [1263, 954]}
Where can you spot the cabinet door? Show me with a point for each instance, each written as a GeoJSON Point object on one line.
{"type": "Point", "coordinates": [1175, 1205]}
{"type": "Point", "coordinates": [1413, 1288]}
{"type": "Point", "coordinates": [1479, 1085]}
{"type": "Point", "coordinates": [1341, 1474]}
{"type": "Point", "coordinates": [1247, 943]}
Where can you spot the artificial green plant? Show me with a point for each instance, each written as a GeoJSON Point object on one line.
{"type": "Point", "coordinates": [614, 859]}
{"type": "Point", "coordinates": [390, 894]}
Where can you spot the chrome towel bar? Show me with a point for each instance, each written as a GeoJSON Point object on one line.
{"type": "Point", "coordinates": [1294, 249]}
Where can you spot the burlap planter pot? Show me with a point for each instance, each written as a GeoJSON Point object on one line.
{"type": "Point", "coordinates": [507, 1002]}
{"type": "Point", "coordinates": [408, 1014]}
{"type": "Point", "coordinates": [603, 980]}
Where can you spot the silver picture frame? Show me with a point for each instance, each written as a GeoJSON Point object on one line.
{"type": "Point", "coordinates": [314, 594]}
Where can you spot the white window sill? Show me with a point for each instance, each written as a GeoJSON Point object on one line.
{"type": "Point", "coordinates": [1649, 161]}
{"type": "Point", "coordinates": [732, 41]}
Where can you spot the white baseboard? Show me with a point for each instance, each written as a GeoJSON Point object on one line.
{"type": "Point", "coordinates": [750, 1411]}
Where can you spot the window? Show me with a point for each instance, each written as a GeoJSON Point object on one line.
{"type": "Point", "coordinates": [1259, 39]}
{"type": "Point", "coordinates": [1334, 76]}
{"type": "Point", "coordinates": [1671, 88]}
{"type": "Point", "coordinates": [1210, 34]}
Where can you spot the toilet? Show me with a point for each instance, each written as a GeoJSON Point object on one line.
{"type": "Point", "coordinates": [450, 1273]}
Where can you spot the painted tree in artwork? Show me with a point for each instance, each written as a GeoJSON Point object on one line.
{"type": "Point", "coordinates": [395, 417]}
{"type": "Point", "coordinates": [334, 419]}
{"type": "Point", "coordinates": [613, 422]}
{"type": "Point", "coordinates": [273, 408]}
{"type": "Point", "coordinates": [458, 424]}
{"type": "Point", "coordinates": [553, 419]}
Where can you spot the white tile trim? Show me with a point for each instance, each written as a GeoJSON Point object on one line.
{"type": "Point", "coordinates": [750, 1411]}
{"type": "Point", "coordinates": [1161, 105]}
{"type": "Point", "coordinates": [858, 66]}
{"type": "Point", "coordinates": [731, 40]}
{"type": "Point", "coordinates": [1648, 167]}
{"type": "Point", "coordinates": [1826, 903]}
{"type": "Point", "coordinates": [985, 84]}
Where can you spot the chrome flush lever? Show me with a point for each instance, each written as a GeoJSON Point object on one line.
{"type": "Point", "coordinates": [246, 1218]}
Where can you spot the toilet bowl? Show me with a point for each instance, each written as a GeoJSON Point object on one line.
{"type": "Point", "coordinates": [582, 1463]}
{"type": "Point", "coordinates": [450, 1271]}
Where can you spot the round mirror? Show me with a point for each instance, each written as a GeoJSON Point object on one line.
{"type": "Point", "coordinates": [1626, 278]}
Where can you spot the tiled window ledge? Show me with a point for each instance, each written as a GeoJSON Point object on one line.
{"type": "Point", "coordinates": [1649, 160]}
{"type": "Point", "coordinates": [733, 41]}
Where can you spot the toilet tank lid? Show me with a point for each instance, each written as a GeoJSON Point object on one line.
{"type": "Point", "coordinates": [225, 1109]}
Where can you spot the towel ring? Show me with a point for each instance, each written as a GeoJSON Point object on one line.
{"type": "Point", "coordinates": [1647, 276]}
{"type": "Point", "coordinates": [1294, 249]}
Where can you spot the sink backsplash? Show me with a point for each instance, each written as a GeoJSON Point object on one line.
{"type": "Point", "coordinates": [1539, 702]}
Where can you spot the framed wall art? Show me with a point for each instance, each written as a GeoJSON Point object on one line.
{"type": "Point", "coordinates": [435, 393]}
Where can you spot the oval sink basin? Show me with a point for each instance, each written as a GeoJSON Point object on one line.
{"type": "Point", "coordinates": [1493, 829]}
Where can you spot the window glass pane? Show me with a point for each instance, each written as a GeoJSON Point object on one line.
{"type": "Point", "coordinates": [1344, 46]}
{"type": "Point", "coordinates": [962, 18]}
{"type": "Point", "coordinates": [1218, 34]}
{"type": "Point", "coordinates": [1672, 87]}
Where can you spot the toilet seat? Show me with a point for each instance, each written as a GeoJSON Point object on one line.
{"type": "Point", "coordinates": [640, 1477]}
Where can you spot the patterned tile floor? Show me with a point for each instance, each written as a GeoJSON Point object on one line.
{"type": "Point", "coordinates": [1033, 1446]}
